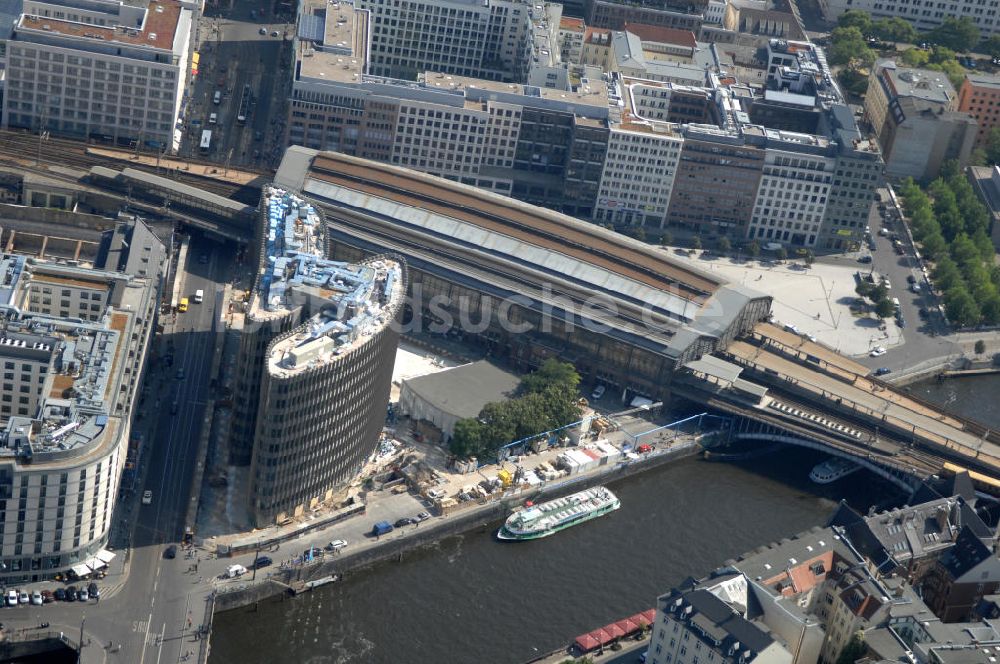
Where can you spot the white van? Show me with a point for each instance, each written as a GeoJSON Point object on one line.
{"type": "Point", "coordinates": [217, 99]}
{"type": "Point", "coordinates": [234, 571]}
{"type": "Point", "coordinates": [199, 295]}
{"type": "Point", "coordinates": [895, 303]}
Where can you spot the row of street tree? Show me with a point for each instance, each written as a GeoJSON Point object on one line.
{"type": "Point", "coordinates": [951, 224]}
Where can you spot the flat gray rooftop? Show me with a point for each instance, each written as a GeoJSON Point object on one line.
{"type": "Point", "coordinates": [463, 391]}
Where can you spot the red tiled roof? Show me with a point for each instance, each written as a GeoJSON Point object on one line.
{"type": "Point", "coordinates": [657, 33]}
{"type": "Point", "coordinates": [589, 35]}
{"type": "Point", "coordinates": [571, 23]}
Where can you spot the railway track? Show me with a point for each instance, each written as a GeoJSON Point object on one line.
{"type": "Point", "coordinates": [26, 150]}
{"type": "Point", "coordinates": [511, 220]}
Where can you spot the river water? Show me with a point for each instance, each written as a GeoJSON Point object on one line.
{"type": "Point", "coordinates": [473, 599]}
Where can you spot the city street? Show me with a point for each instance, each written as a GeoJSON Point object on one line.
{"type": "Point", "coordinates": [233, 54]}
{"type": "Point", "coordinates": [925, 339]}
{"type": "Point", "coordinates": [146, 619]}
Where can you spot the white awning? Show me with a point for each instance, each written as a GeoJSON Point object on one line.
{"type": "Point", "coordinates": [105, 555]}
{"type": "Point", "coordinates": [81, 570]}
{"type": "Point", "coordinates": [96, 564]}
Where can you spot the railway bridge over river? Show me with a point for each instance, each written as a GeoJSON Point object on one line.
{"type": "Point", "coordinates": [781, 387]}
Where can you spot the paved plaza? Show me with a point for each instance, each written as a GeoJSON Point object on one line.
{"type": "Point", "coordinates": [816, 299]}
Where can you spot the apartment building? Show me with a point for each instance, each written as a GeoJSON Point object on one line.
{"type": "Point", "coordinates": [636, 58]}
{"type": "Point", "coordinates": [801, 600]}
{"type": "Point", "coordinates": [73, 339]}
{"type": "Point", "coordinates": [490, 39]}
{"type": "Point", "coordinates": [696, 625]}
{"type": "Point", "coordinates": [614, 14]}
{"type": "Point", "coordinates": [638, 173]}
{"type": "Point", "coordinates": [915, 115]}
{"type": "Point", "coordinates": [979, 96]}
{"type": "Point", "coordinates": [923, 14]}
{"type": "Point", "coordinates": [716, 184]}
{"type": "Point", "coordinates": [540, 144]}
{"type": "Point", "coordinates": [791, 200]}
{"type": "Point", "coordinates": [785, 163]}
{"type": "Point", "coordinates": [571, 35]}
{"type": "Point", "coordinates": [318, 346]}
{"type": "Point", "coordinates": [101, 69]}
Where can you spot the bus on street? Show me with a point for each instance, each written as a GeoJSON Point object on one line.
{"type": "Point", "coordinates": [206, 140]}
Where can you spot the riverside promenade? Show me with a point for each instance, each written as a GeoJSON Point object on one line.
{"type": "Point", "coordinates": [199, 584]}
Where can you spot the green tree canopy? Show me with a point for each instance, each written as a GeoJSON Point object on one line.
{"type": "Point", "coordinates": [853, 651]}
{"type": "Point", "coordinates": [552, 373]}
{"type": "Point", "coordinates": [894, 29]}
{"type": "Point", "coordinates": [960, 307]}
{"type": "Point", "coordinates": [847, 45]}
{"type": "Point", "coordinates": [946, 274]}
{"type": "Point", "coordinates": [856, 18]}
{"type": "Point", "coordinates": [940, 54]}
{"type": "Point", "coordinates": [854, 81]}
{"type": "Point", "coordinates": [990, 309]}
{"type": "Point", "coordinates": [884, 308]}
{"type": "Point", "coordinates": [958, 34]}
{"type": "Point", "coordinates": [915, 57]}
{"type": "Point", "coordinates": [466, 438]}
{"type": "Point", "coordinates": [992, 46]}
{"type": "Point", "coordinates": [935, 245]}
{"type": "Point", "coordinates": [993, 146]}
{"type": "Point", "coordinates": [547, 400]}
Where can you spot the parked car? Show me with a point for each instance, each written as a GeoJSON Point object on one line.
{"type": "Point", "coordinates": [405, 521]}
{"type": "Point", "coordinates": [312, 552]}
{"type": "Point", "coordinates": [93, 590]}
{"type": "Point", "coordinates": [59, 595]}
{"type": "Point", "coordinates": [48, 596]}
{"type": "Point", "coordinates": [12, 598]}
{"type": "Point", "coordinates": [382, 528]}
{"type": "Point", "coordinates": [82, 595]}
{"type": "Point", "coordinates": [70, 593]}
{"type": "Point", "coordinates": [263, 561]}
{"type": "Point", "coordinates": [23, 597]}
{"type": "Point", "coordinates": [147, 497]}
{"type": "Point", "coordinates": [170, 552]}
{"type": "Point", "coordinates": [336, 545]}
{"type": "Point", "coordinates": [423, 516]}
{"type": "Point", "coordinates": [36, 598]}
{"type": "Point", "coordinates": [598, 392]}
{"type": "Point", "coordinates": [865, 259]}
{"type": "Point", "coordinates": [878, 351]}
{"type": "Point", "coordinates": [881, 371]}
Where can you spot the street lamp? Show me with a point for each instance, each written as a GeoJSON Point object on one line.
{"type": "Point", "coordinates": [256, 555]}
